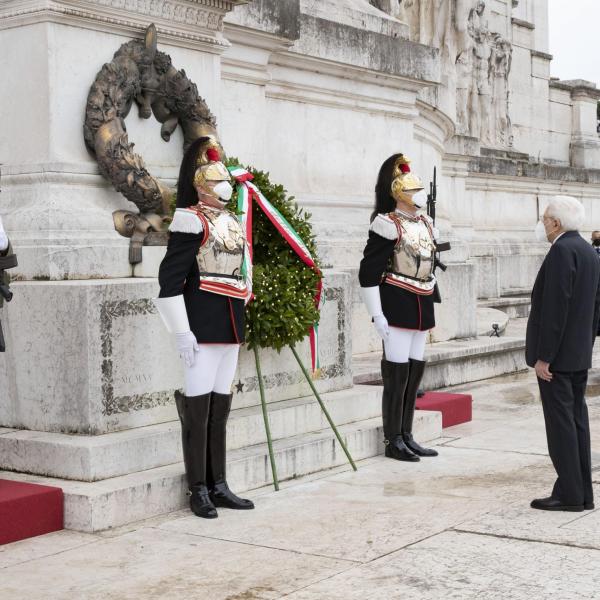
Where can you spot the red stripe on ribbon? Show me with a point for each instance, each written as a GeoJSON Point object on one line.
{"type": "Point", "coordinates": [299, 250]}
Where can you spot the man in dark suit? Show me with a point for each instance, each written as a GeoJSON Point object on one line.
{"type": "Point", "coordinates": [561, 331]}
{"type": "Point", "coordinates": [596, 241]}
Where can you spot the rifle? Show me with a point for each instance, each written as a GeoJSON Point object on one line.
{"type": "Point", "coordinates": [432, 196]}
{"type": "Point", "coordinates": [431, 201]}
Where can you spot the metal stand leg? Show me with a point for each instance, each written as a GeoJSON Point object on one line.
{"type": "Point", "coordinates": [266, 419]}
{"type": "Point", "coordinates": [323, 408]}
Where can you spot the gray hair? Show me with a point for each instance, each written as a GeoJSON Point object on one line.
{"type": "Point", "coordinates": [568, 210]}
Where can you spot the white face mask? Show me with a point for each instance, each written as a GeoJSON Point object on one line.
{"type": "Point", "coordinates": [540, 232]}
{"type": "Point", "coordinates": [419, 199]}
{"type": "Point", "coordinates": [224, 190]}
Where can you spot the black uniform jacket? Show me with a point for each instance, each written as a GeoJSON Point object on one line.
{"type": "Point", "coordinates": [8, 260]}
{"type": "Point", "coordinates": [400, 307]}
{"type": "Point", "coordinates": [214, 319]}
{"type": "Point", "coordinates": [565, 304]}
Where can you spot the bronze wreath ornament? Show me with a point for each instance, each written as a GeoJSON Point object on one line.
{"type": "Point", "coordinates": [140, 73]}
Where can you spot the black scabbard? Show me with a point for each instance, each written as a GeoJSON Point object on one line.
{"type": "Point", "coordinates": [2, 344]}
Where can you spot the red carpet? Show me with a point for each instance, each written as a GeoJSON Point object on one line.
{"type": "Point", "coordinates": [455, 408]}
{"type": "Point", "coordinates": [27, 510]}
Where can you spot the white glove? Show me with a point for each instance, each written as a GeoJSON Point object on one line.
{"type": "Point", "coordinates": [3, 238]}
{"type": "Point", "coordinates": [372, 300]}
{"type": "Point", "coordinates": [382, 327]}
{"type": "Point", "coordinates": [187, 347]}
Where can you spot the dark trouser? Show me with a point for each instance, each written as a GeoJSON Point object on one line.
{"type": "Point", "coordinates": [568, 434]}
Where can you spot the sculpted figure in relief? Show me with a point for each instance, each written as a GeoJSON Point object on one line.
{"type": "Point", "coordinates": [481, 59]}
{"type": "Point", "coordinates": [429, 20]}
{"type": "Point", "coordinates": [481, 100]}
{"type": "Point", "coordinates": [460, 20]}
{"type": "Point", "coordinates": [500, 64]}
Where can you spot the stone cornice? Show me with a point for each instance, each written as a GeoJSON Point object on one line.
{"type": "Point", "coordinates": [280, 18]}
{"type": "Point", "coordinates": [500, 167]}
{"type": "Point", "coordinates": [523, 24]}
{"type": "Point", "coordinates": [579, 88]}
{"type": "Point", "coordinates": [378, 53]}
{"type": "Point", "coordinates": [182, 22]}
{"type": "Point", "coordinates": [540, 54]}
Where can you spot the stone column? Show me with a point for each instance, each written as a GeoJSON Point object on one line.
{"type": "Point", "coordinates": [585, 140]}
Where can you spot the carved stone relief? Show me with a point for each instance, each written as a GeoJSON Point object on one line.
{"type": "Point", "coordinates": [476, 61]}
{"type": "Point", "coordinates": [140, 74]}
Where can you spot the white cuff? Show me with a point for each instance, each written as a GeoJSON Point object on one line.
{"type": "Point", "coordinates": [3, 241]}
{"type": "Point", "coordinates": [372, 300]}
{"type": "Point", "coordinates": [173, 313]}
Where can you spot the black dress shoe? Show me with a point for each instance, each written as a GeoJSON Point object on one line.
{"type": "Point", "coordinates": [398, 450]}
{"type": "Point", "coordinates": [554, 504]}
{"type": "Point", "coordinates": [223, 497]}
{"type": "Point", "coordinates": [417, 448]}
{"type": "Point", "coordinates": [201, 504]}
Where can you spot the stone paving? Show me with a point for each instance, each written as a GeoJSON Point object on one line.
{"type": "Point", "coordinates": [458, 526]}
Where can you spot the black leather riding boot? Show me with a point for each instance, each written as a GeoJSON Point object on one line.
{"type": "Point", "coordinates": [415, 375]}
{"type": "Point", "coordinates": [220, 494]}
{"type": "Point", "coordinates": [395, 376]}
{"type": "Point", "coordinates": [193, 414]}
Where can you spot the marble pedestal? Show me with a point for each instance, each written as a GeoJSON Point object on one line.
{"type": "Point", "coordinates": [88, 385]}
{"type": "Point", "coordinates": [91, 357]}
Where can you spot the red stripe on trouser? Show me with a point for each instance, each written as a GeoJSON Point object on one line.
{"type": "Point", "coordinates": [235, 333]}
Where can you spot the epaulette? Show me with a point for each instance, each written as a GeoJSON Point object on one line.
{"type": "Point", "coordinates": [384, 226]}
{"type": "Point", "coordinates": [186, 220]}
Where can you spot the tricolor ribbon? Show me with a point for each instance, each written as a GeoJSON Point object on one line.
{"type": "Point", "coordinates": [247, 193]}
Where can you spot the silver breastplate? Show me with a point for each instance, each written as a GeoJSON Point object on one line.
{"type": "Point", "coordinates": [412, 263]}
{"type": "Point", "coordinates": [221, 255]}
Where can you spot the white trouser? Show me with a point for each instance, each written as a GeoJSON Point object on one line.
{"type": "Point", "coordinates": [213, 370]}
{"type": "Point", "coordinates": [403, 344]}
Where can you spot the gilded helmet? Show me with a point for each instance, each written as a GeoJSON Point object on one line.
{"type": "Point", "coordinates": [209, 166]}
{"type": "Point", "coordinates": [403, 180]}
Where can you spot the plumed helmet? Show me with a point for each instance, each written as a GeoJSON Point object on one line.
{"type": "Point", "coordinates": [403, 180]}
{"type": "Point", "coordinates": [208, 163]}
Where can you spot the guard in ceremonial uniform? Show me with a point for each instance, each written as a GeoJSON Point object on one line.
{"type": "Point", "coordinates": [202, 299]}
{"type": "Point", "coordinates": [8, 260]}
{"type": "Point", "coordinates": [398, 287]}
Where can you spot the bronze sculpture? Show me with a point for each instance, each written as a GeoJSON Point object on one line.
{"type": "Point", "coordinates": [142, 74]}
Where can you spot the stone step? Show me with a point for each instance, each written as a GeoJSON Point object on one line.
{"type": "Point", "coordinates": [93, 458]}
{"type": "Point", "coordinates": [491, 322]}
{"type": "Point", "coordinates": [95, 506]}
{"type": "Point", "coordinates": [515, 292]}
{"type": "Point", "coordinates": [515, 307]}
{"type": "Point", "coordinates": [457, 361]}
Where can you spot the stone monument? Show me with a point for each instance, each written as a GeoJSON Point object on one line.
{"type": "Point", "coordinates": [318, 94]}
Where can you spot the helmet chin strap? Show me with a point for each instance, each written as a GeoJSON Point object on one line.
{"type": "Point", "coordinates": [204, 195]}
{"type": "Point", "coordinates": [408, 198]}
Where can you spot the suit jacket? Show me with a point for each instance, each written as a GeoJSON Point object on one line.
{"type": "Point", "coordinates": [565, 306]}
